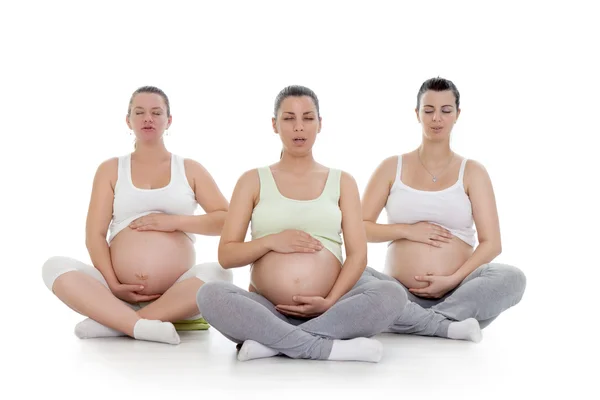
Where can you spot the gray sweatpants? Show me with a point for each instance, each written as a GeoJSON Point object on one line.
{"type": "Point", "coordinates": [484, 294]}
{"type": "Point", "coordinates": [369, 308]}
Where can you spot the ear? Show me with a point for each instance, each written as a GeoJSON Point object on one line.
{"type": "Point", "coordinates": [320, 124]}
{"type": "Point", "coordinates": [274, 122]}
{"type": "Point", "coordinates": [169, 121]}
{"type": "Point", "coordinates": [457, 114]}
{"type": "Point", "coordinates": [417, 113]}
{"type": "Point", "coordinates": [128, 122]}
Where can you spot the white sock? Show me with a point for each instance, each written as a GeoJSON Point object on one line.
{"type": "Point", "coordinates": [358, 349]}
{"type": "Point", "coordinates": [251, 350]}
{"type": "Point", "coordinates": [88, 329]}
{"type": "Point", "coordinates": [465, 330]}
{"type": "Point", "coordinates": [155, 331]}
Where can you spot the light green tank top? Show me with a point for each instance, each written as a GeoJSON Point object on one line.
{"type": "Point", "coordinates": [320, 217]}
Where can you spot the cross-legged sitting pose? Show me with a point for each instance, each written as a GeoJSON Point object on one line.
{"type": "Point", "coordinates": [142, 276]}
{"type": "Point", "coordinates": [442, 229]}
{"type": "Point", "coordinates": [306, 300]}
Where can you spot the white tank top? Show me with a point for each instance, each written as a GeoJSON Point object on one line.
{"type": "Point", "coordinates": [449, 208]}
{"type": "Point", "coordinates": [131, 202]}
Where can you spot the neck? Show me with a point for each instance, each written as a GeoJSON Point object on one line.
{"type": "Point", "coordinates": [150, 151]}
{"type": "Point", "coordinates": [434, 153]}
{"type": "Point", "coordinates": [297, 164]}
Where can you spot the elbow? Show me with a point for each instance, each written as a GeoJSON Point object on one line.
{"type": "Point", "coordinates": [224, 260]}
{"type": "Point", "coordinates": [92, 239]}
{"type": "Point", "coordinates": [498, 249]}
{"type": "Point", "coordinates": [493, 246]}
{"type": "Point", "coordinates": [359, 259]}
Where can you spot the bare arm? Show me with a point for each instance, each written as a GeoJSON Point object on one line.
{"type": "Point", "coordinates": [374, 199]}
{"type": "Point", "coordinates": [233, 250]}
{"type": "Point", "coordinates": [210, 198]}
{"type": "Point", "coordinates": [485, 215]}
{"type": "Point", "coordinates": [98, 219]}
{"type": "Point", "coordinates": [355, 239]}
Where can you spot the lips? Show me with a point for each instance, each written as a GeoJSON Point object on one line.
{"type": "Point", "coordinates": [299, 140]}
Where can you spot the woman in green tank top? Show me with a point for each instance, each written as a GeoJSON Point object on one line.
{"type": "Point", "coordinates": [306, 299]}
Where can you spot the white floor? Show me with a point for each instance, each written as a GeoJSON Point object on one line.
{"type": "Point", "coordinates": [515, 359]}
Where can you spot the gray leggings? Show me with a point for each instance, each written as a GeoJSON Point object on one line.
{"type": "Point", "coordinates": [483, 295]}
{"type": "Point", "coordinates": [369, 308]}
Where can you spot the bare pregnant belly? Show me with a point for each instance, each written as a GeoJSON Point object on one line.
{"type": "Point", "coordinates": [406, 259]}
{"type": "Point", "coordinates": [150, 258]}
{"type": "Point", "coordinates": [279, 277]}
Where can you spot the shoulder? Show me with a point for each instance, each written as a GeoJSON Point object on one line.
{"type": "Point", "coordinates": [107, 171]}
{"type": "Point", "coordinates": [108, 167]}
{"type": "Point", "coordinates": [347, 182]}
{"type": "Point", "coordinates": [475, 175]}
{"type": "Point", "coordinates": [249, 180]}
{"type": "Point", "coordinates": [389, 165]}
{"type": "Point", "coordinates": [474, 169]}
{"type": "Point", "coordinates": [194, 167]}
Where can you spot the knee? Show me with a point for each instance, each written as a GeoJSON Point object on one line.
{"type": "Point", "coordinates": [514, 279]}
{"type": "Point", "coordinates": [209, 294]}
{"type": "Point", "coordinates": [391, 297]}
{"type": "Point", "coordinates": [53, 268]}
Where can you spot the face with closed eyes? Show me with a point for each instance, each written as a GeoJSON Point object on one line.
{"type": "Point", "coordinates": [148, 116]}
{"type": "Point", "coordinates": [437, 114]}
{"type": "Point", "coordinates": [297, 124]}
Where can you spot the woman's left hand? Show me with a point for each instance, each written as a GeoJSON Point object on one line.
{"type": "Point", "coordinates": [155, 222]}
{"type": "Point", "coordinates": [307, 307]}
{"type": "Point", "coordinates": [438, 286]}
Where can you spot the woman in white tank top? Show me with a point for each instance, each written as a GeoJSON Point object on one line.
{"type": "Point", "coordinates": [140, 235]}
{"type": "Point", "coordinates": [436, 203]}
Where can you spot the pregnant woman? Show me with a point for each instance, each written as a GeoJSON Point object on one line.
{"type": "Point", "coordinates": [142, 276]}
{"type": "Point", "coordinates": [305, 297]}
{"type": "Point", "coordinates": [442, 228]}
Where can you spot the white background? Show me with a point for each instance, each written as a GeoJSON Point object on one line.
{"type": "Point", "coordinates": [528, 77]}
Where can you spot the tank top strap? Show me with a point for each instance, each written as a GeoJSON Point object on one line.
{"type": "Point", "coordinates": [399, 169]}
{"type": "Point", "coordinates": [178, 168]}
{"type": "Point", "coordinates": [461, 173]}
{"type": "Point", "coordinates": [268, 187]}
{"type": "Point", "coordinates": [123, 170]}
{"type": "Point", "coordinates": [332, 185]}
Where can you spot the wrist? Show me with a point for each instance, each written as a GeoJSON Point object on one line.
{"type": "Point", "coordinates": [177, 222]}
{"type": "Point", "coordinates": [267, 242]}
{"type": "Point", "coordinates": [403, 231]}
{"type": "Point", "coordinates": [330, 301]}
{"type": "Point", "coordinates": [112, 283]}
{"type": "Point", "coordinates": [456, 278]}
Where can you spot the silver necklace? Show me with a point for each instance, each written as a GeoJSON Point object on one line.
{"type": "Point", "coordinates": [433, 177]}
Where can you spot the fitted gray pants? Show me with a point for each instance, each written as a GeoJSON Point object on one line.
{"type": "Point", "coordinates": [484, 294]}
{"type": "Point", "coordinates": [369, 308]}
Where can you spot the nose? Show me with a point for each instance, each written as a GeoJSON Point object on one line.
{"type": "Point", "coordinates": [437, 115]}
{"type": "Point", "coordinates": [148, 117]}
{"type": "Point", "coordinates": [298, 127]}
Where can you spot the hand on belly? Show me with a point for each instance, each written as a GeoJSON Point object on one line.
{"type": "Point", "coordinates": [406, 260]}
{"type": "Point", "coordinates": [152, 259]}
{"type": "Point", "coordinates": [279, 277]}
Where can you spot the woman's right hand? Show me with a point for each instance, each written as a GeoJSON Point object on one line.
{"type": "Point", "coordinates": [294, 241]}
{"type": "Point", "coordinates": [129, 293]}
{"type": "Point", "coordinates": [428, 233]}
